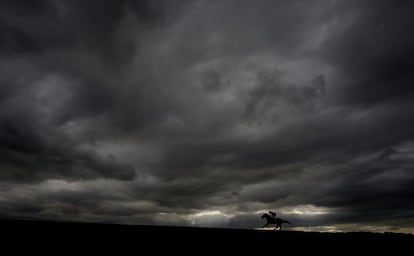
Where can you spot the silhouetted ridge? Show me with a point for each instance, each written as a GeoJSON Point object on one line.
{"type": "Point", "coordinates": [41, 235]}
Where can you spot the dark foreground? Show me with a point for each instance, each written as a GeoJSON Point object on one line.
{"type": "Point", "coordinates": [67, 238]}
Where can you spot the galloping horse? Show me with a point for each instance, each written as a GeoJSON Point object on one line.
{"type": "Point", "coordinates": [277, 221]}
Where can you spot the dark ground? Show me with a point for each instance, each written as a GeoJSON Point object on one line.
{"type": "Point", "coordinates": [58, 238]}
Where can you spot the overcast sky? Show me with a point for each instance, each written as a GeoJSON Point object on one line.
{"type": "Point", "coordinates": [208, 113]}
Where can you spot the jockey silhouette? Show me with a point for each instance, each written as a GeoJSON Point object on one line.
{"type": "Point", "coordinates": [273, 214]}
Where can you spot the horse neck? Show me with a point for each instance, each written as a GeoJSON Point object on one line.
{"type": "Point", "coordinates": [268, 217]}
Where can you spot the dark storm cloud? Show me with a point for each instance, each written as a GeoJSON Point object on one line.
{"type": "Point", "coordinates": [270, 94]}
{"type": "Point", "coordinates": [374, 53]}
{"type": "Point", "coordinates": [206, 112]}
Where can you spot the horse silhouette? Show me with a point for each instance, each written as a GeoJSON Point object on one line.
{"type": "Point", "coordinates": [270, 220]}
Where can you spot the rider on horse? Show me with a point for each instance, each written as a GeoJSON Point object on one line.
{"type": "Point", "coordinates": [273, 214]}
{"type": "Point", "coordinates": [271, 219]}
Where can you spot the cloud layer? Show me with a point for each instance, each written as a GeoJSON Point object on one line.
{"type": "Point", "coordinates": [208, 112]}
